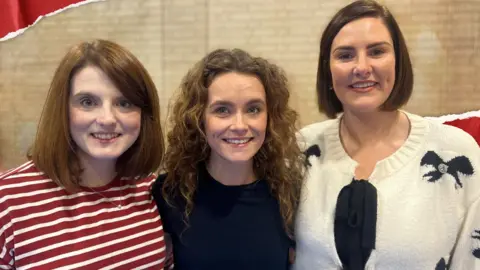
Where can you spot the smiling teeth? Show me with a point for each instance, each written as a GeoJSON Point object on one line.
{"type": "Point", "coordinates": [237, 141]}
{"type": "Point", "coordinates": [363, 85]}
{"type": "Point", "coordinates": [105, 136]}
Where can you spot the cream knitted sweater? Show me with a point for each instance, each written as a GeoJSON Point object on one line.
{"type": "Point", "coordinates": [428, 214]}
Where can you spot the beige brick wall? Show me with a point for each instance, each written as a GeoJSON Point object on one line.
{"type": "Point", "coordinates": [168, 36]}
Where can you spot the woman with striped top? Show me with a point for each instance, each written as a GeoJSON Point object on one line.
{"type": "Point", "coordinates": [83, 200]}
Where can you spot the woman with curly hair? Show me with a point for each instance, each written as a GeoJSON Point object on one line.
{"type": "Point", "coordinates": [233, 166]}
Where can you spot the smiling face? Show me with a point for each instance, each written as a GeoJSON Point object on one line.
{"type": "Point", "coordinates": [103, 123]}
{"type": "Point", "coordinates": [235, 118]}
{"type": "Point", "coordinates": [362, 63]}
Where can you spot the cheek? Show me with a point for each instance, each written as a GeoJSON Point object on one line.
{"type": "Point", "coordinates": [261, 123]}
{"type": "Point", "coordinates": [214, 126]}
{"type": "Point", "coordinates": [339, 73]}
{"type": "Point", "coordinates": [334, 72]}
{"type": "Point", "coordinates": [133, 121]}
{"type": "Point", "coordinates": [392, 73]}
{"type": "Point", "coordinates": [388, 68]}
{"type": "Point", "coordinates": [264, 121]}
{"type": "Point", "coordinates": [207, 125]}
{"type": "Point", "coordinates": [388, 73]}
{"type": "Point", "coordinates": [78, 119]}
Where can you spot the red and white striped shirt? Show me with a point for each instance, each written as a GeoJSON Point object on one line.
{"type": "Point", "coordinates": [45, 227]}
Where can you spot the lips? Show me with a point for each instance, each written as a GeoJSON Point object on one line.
{"type": "Point", "coordinates": [363, 85]}
{"type": "Point", "coordinates": [105, 136]}
{"type": "Point", "coordinates": [238, 141]}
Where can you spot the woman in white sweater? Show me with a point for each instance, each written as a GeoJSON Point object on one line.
{"type": "Point", "coordinates": [385, 189]}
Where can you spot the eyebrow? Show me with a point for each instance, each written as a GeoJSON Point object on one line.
{"type": "Point", "coordinates": [228, 103]}
{"type": "Point", "coordinates": [83, 93]}
{"type": "Point", "coordinates": [351, 48]}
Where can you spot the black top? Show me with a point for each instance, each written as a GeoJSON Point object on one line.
{"type": "Point", "coordinates": [230, 227]}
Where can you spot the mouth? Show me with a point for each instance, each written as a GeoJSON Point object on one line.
{"type": "Point", "coordinates": [105, 137]}
{"type": "Point", "coordinates": [363, 86]}
{"type": "Point", "coordinates": [238, 141]}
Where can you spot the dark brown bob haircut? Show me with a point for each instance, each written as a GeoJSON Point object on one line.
{"type": "Point", "coordinates": [328, 102]}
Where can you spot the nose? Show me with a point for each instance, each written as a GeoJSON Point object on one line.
{"type": "Point", "coordinates": [106, 116]}
{"type": "Point", "coordinates": [362, 68]}
{"type": "Point", "coordinates": [239, 124]}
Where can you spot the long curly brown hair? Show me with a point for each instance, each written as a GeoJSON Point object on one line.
{"type": "Point", "coordinates": [279, 161]}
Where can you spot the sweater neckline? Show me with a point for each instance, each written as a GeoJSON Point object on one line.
{"type": "Point", "coordinates": [386, 166]}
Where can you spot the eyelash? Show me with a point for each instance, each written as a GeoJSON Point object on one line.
{"type": "Point", "coordinates": [125, 104]}
{"type": "Point", "coordinates": [344, 56]}
{"type": "Point", "coordinates": [257, 110]}
{"type": "Point", "coordinates": [225, 110]}
{"type": "Point", "coordinates": [87, 99]}
{"type": "Point", "coordinates": [128, 103]}
{"type": "Point", "coordinates": [221, 110]}
{"type": "Point", "coordinates": [376, 52]}
{"type": "Point", "coordinates": [348, 56]}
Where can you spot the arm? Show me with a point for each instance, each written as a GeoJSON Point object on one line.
{"type": "Point", "coordinates": [6, 237]}
{"type": "Point", "coordinates": [160, 202]}
{"type": "Point", "coordinates": [169, 265]}
{"type": "Point", "coordinates": [466, 254]}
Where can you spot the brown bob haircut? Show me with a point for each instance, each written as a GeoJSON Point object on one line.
{"type": "Point", "coordinates": [279, 160]}
{"type": "Point", "coordinates": [53, 150]}
{"type": "Point", "coordinates": [328, 102]}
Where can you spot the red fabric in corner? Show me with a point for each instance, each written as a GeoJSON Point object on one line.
{"type": "Point", "coordinates": [471, 125]}
{"type": "Point", "coordinates": [18, 14]}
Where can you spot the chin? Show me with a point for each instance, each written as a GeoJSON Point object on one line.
{"type": "Point", "coordinates": [364, 108]}
{"type": "Point", "coordinates": [239, 159]}
{"type": "Point", "coordinates": [104, 156]}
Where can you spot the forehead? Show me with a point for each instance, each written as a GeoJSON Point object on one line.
{"type": "Point", "coordinates": [93, 80]}
{"type": "Point", "coordinates": [234, 86]}
{"type": "Point", "coordinates": [362, 32]}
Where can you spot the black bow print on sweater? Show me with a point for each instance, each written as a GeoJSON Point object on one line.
{"type": "Point", "coordinates": [457, 164]}
{"type": "Point", "coordinates": [442, 264]}
{"type": "Point", "coordinates": [476, 251]}
{"type": "Point", "coordinates": [313, 150]}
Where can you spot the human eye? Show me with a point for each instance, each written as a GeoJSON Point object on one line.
{"type": "Point", "coordinates": [221, 110]}
{"type": "Point", "coordinates": [125, 104]}
{"type": "Point", "coordinates": [376, 52]}
{"type": "Point", "coordinates": [87, 102]}
{"type": "Point", "coordinates": [344, 56]}
{"type": "Point", "coordinates": [254, 110]}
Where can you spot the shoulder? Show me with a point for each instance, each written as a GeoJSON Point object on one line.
{"type": "Point", "coordinates": [24, 173]}
{"type": "Point", "coordinates": [457, 152]}
{"type": "Point", "coordinates": [22, 182]}
{"type": "Point", "coordinates": [158, 183]}
{"type": "Point", "coordinates": [168, 208]}
{"type": "Point", "coordinates": [157, 187]}
{"type": "Point", "coordinates": [19, 171]}
{"type": "Point", "coordinates": [444, 143]}
{"type": "Point", "coordinates": [314, 133]}
{"type": "Point", "coordinates": [450, 137]}
{"type": "Point", "coordinates": [142, 180]}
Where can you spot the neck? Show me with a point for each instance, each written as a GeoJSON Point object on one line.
{"type": "Point", "coordinates": [367, 128]}
{"type": "Point", "coordinates": [97, 173]}
{"type": "Point", "coordinates": [231, 173]}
